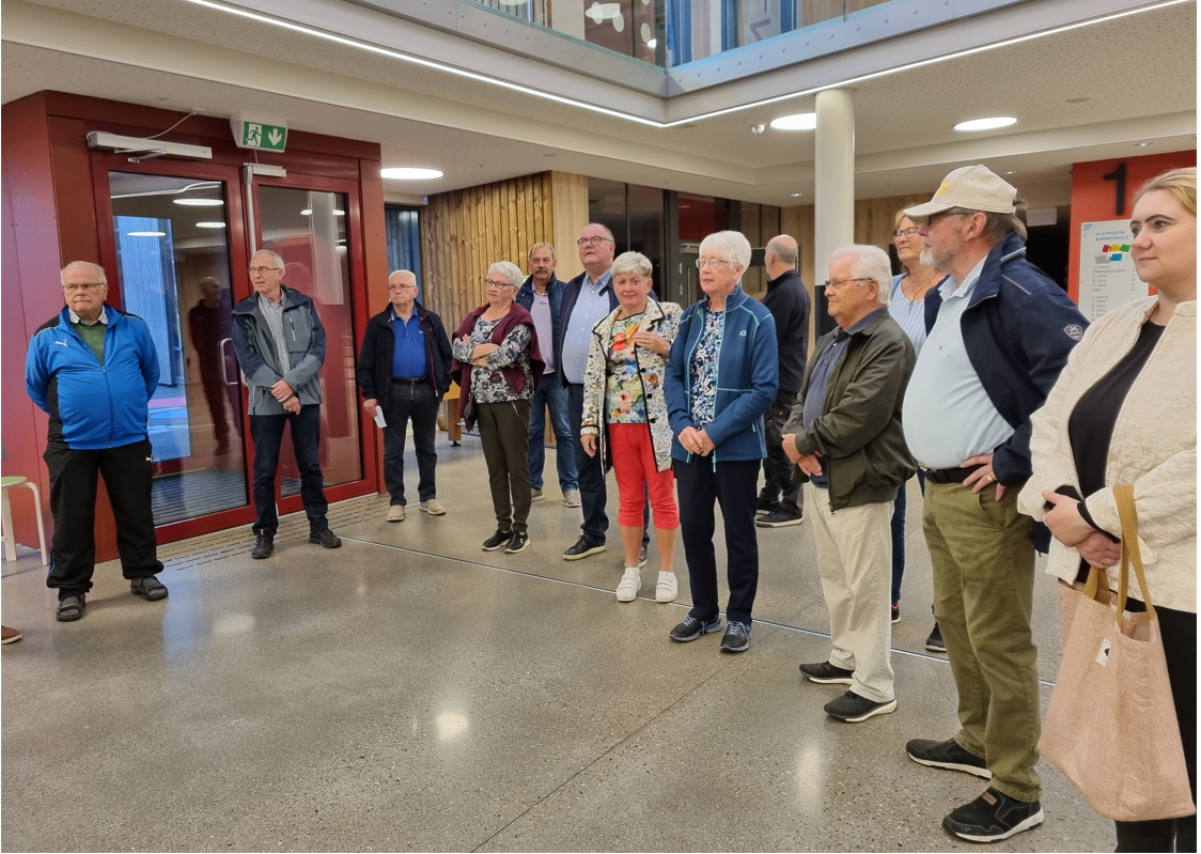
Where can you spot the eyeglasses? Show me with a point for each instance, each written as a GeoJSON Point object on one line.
{"type": "Point", "coordinates": [702, 263]}
{"type": "Point", "coordinates": [835, 284]}
{"type": "Point", "coordinates": [490, 283]}
{"type": "Point", "coordinates": [404, 287]}
{"type": "Point", "coordinates": [906, 232]}
{"type": "Point", "coordinates": [262, 270]}
{"type": "Point", "coordinates": [595, 241]}
{"type": "Point", "coordinates": [83, 286]}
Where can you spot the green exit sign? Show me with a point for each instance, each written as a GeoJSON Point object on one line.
{"type": "Point", "coordinates": [261, 134]}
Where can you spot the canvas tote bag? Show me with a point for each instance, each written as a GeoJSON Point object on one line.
{"type": "Point", "coordinates": [1111, 727]}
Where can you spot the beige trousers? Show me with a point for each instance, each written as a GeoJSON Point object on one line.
{"type": "Point", "coordinates": [854, 557]}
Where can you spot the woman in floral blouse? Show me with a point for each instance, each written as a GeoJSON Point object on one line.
{"type": "Point", "coordinates": [498, 365]}
{"type": "Point", "coordinates": [624, 403]}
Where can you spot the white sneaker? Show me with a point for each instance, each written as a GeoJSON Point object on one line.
{"type": "Point", "coordinates": [396, 513]}
{"type": "Point", "coordinates": [433, 507]}
{"type": "Point", "coordinates": [667, 589]}
{"type": "Point", "coordinates": [627, 588]}
{"type": "Point", "coordinates": [571, 498]}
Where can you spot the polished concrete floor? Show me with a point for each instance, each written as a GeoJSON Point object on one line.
{"type": "Point", "coordinates": [412, 692]}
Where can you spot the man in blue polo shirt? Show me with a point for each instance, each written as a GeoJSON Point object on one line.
{"type": "Point", "coordinates": [404, 371]}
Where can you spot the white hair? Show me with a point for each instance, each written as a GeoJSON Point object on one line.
{"type": "Point", "coordinates": [100, 277]}
{"type": "Point", "coordinates": [508, 270]}
{"type": "Point", "coordinates": [276, 259]}
{"type": "Point", "coordinates": [406, 272]}
{"type": "Point", "coordinates": [631, 262]}
{"type": "Point", "coordinates": [871, 262]}
{"type": "Point", "coordinates": [731, 246]}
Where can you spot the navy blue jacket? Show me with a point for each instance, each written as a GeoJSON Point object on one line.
{"type": "Point", "coordinates": [1018, 328]}
{"type": "Point", "coordinates": [554, 290]}
{"type": "Point", "coordinates": [748, 376]}
{"type": "Point", "coordinates": [93, 406]}
{"type": "Point", "coordinates": [571, 292]}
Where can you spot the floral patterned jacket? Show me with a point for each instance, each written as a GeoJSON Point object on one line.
{"type": "Point", "coordinates": [663, 318]}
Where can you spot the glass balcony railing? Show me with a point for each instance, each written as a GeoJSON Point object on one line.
{"type": "Point", "coordinates": [669, 33]}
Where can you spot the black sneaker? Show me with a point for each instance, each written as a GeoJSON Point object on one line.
{"type": "Point", "coordinates": [896, 612]}
{"type": "Point", "coordinates": [779, 519]}
{"type": "Point", "coordinates": [582, 548]}
{"type": "Point", "coordinates": [737, 637]}
{"type": "Point", "coordinates": [946, 754]}
{"type": "Point", "coordinates": [935, 643]}
{"type": "Point", "coordinates": [992, 817]}
{"type": "Point", "coordinates": [264, 545]}
{"type": "Point", "coordinates": [325, 537]}
{"type": "Point", "coordinates": [852, 708]}
{"type": "Point", "coordinates": [763, 506]}
{"type": "Point", "coordinates": [149, 588]}
{"type": "Point", "coordinates": [692, 628]}
{"type": "Point", "coordinates": [500, 538]}
{"type": "Point", "coordinates": [642, 558]}
{"type": "Point", "coordinates": [519, 542]}
{"type": "Point", "coordinates": [827, 674]}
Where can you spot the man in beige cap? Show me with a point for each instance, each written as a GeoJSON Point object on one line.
{"type": "Point", "coordinates": [999, 333]}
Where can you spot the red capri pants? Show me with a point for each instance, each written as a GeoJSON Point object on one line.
{"type": "Point", "coordinates": [634, 468]}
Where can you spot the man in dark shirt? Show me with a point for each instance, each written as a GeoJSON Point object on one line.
{"type": "Point", "coordinates": [210, 323]}
{"type": "Point", "coordinates": [780, 501]}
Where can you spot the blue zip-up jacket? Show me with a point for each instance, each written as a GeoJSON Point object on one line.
{"type": "Point", "coordinates": [1018, 329]}
{"type": "Point", "coordinates": [554, 290]}
{"type": "Point", "coordinates": [748, 376]}
{"type": "Point", "coordinates": [93, 406]}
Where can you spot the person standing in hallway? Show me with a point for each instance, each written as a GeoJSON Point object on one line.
{"type": "Point", "coordinates": [498, 366]}
{"type": "Point", "coordinates": [587, 299]}
{"type": "Point", "coordinates": [845, 434]}
{"type": "Point", "coordinates": [908, 308]}
{"type": "Point", "coordinates": [719, 447]}
{"type": "Point", "coordinates": [999, 333]}
{"type": "Point", "coordinates": [404, 370]}
{"type": "Point", "coordinates": [780, 501]}
{"type": "Point", "coordinates": [542, 296]}
{"type": "Point", "coordinates": [280, 344]}
{"type": "Point", "coordinates": [93, 369]}
{"type": "Point", "coordinates": [210, 322]}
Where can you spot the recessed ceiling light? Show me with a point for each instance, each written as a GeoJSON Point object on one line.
{"type": "Point", "coordinates": [797, 195]}
{"type": "Point", "coordinates": [309, 212]}
{"type": "Point", "coordinates": [210, 225]}
{"type": "Point", "coordinates": [1011, 172]}
{"type": "Point", "coordinates": [800, 121]}
{"type": "Point", "coordinates": [145, 234]}
{"type": "Point", "coordinates": [409, 173]}
{"type": "Point", "coordinates": [653, 43]}
{"type": "Point", "coordinates": [199, 203]}
{"type": "Point", "coordinates": [986, 124]}
{"type": "Point", "coordinates": [1141, 144]}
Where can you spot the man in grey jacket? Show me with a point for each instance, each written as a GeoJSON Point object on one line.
{"type": "Point", "coordinates": [280, 344]}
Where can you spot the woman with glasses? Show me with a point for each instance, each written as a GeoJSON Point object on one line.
{"type": "Point", "coordinates": [625, 417]}
{"type": "Point", "coordinates": [498, 366]}
{"type": "Point", "coordinates": [722, 374]}
{"type": "Point", "coordinates": [907, 305]}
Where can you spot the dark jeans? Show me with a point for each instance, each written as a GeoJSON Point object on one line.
{"type": "Point", "coordinates": [73, 478]}
{"type": "Point", "coordinates": [778, 488]}
{"type": "Point", "coordinates": [898, 535]}
{"type": "Point", "coordinates": [550, 395]}
{"type": "Point", "coordinates": [268, 434]}
{"type": "Point", "coordinates": [505, 434]}
{"type": "Point", "coordinates": [421, 404]}
{"type": "Point", "coordinates": [1179, 630]}
{"type": "Point", "coordinates": [732, 485]}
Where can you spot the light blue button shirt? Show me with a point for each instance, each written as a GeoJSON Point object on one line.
{"type": "Point", "coordinates": [947, 414]}
{"type": "Point", "coordinates": [591, 307]}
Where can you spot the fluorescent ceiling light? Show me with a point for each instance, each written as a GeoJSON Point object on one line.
{"type": "Point", "coordinates": [309, 212]}
{"type": "Point", "coordinates": [801, 121]}
{"type": "Point", "coordinates": [409, 173]}
{"type": "Point", "coordinates": [583, 105]}
{"type": "Point", "coordinates": [199, 203]}
{"type": "Point", "coordinates": [145, 234]}
{"type": "Point", "coordinates": [210, 225]}
{"type": "Point", "coordinates": [991, 123]}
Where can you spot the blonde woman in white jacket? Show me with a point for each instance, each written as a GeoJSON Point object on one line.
{"type": "Point", "coordinates": [1124, 410]}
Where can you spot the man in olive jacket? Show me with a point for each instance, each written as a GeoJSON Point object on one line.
{"type": "Point", "coordinates": [845, 436]}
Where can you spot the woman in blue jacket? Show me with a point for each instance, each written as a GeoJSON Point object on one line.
{"type": "Point", "coordinates": [722, 374]}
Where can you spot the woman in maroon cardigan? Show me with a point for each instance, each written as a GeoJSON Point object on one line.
{"type": "Point", "coordinates": [498, 365]}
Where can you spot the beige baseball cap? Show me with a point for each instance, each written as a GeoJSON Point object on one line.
{"type": "Point", "coordinates": [976, 188]}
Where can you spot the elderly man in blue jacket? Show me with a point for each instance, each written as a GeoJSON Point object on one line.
{"type": "Point", "coordinates": [93, 369]}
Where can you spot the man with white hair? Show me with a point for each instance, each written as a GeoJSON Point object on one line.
{"type": "Point", "coordinates": [93, 369]}
{"type": "Point", "coordinates": [845, 435]}
{"type": "Point", "coordinates": [280, 344]}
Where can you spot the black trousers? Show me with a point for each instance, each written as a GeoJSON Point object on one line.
{"type": "Point", "coordinates": [732, 485]}
{"type": "Point", "coordinates": [778, 487]}
{"type": "Point", "coordinates": [505, 435]}
{"type": "Point", "coordinates": [1179, 630]}
{"type": "Point", "coordinates": [419, 403]}
{"type": "Point", "coordinates": [73, 478]}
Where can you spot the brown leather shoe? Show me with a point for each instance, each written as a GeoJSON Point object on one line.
{"type": "Point", "coordinates": [8, 635]}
